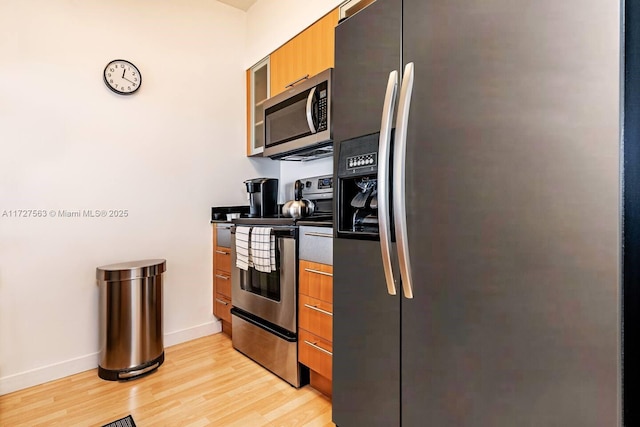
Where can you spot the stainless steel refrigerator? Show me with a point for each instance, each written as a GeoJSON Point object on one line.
{"type": "Point", "coordinates": [477, 257]}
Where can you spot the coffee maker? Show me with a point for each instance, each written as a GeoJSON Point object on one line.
{"type": "Point", "coordinates": [263, 197]}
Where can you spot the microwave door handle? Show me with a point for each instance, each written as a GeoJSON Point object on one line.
{"type": "Point", "coordinates": [383, 180]}
{"type": "Point", "coordinates": [399, 178]}
{"type": "Point", "coordinates": [312, 127]}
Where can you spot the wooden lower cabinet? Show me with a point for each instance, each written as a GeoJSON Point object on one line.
{"type": "Point", "coordinates": [222, 278]}
{"type": "Point", "coordinates": [316, 316]}
{"type": "Point", "coordinates": [222, 259]}
{"type": "Point", "coordinates": [316, 280]}
{"type": "Point", "coordinates": [316, 353]}
{"type": "Point", "coordinates": [223, 307]}
{"type": "Point", "coordinates": [315, 320]}
{"type": "Point", "coordinates": [222, 281]}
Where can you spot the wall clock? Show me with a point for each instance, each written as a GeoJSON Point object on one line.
{"type": "Point", "coordinates": [122, 77]}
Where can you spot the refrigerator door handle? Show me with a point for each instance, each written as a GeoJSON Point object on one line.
{"type": "Point", "coordinates": [384, 151]}
{"type": "Point", "coordinates": [399, 177]}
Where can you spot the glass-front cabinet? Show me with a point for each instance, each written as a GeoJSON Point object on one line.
{"type": "Point", "coordinates": [258, 88]}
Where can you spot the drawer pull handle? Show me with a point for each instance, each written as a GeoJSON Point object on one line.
{"type": "Point", "coordinates": [222, 252]}
{"type": "Point", "coordinates": [220, 276]}
{"type": "Point", "coordinates": [313, 307]}
{"type": "Point", "coordinates": [317, 347]}
{"type": "Point", "coordinates": [313, 233]}
{"type": "Point", "coordinates": [311, 270]}
{"type": "Point", "coordinates": [222, 301]}
{"type": "Point", "coordinates": [296, 81]}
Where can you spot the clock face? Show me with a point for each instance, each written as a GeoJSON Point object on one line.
{"type": "Point", "coordinates": [122, 77]}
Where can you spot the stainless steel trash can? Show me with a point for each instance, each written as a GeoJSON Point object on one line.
{"type": "Point", "coordinates": [130, 319]}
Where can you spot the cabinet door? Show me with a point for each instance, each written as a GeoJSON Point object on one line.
{"type": "Point", "coordinates": [222, 307]}
{"type": "Point", "coordinates": [306, 54]}
{"type": "Point", "coordinates": [316, 280]}
{"type": "Point", "coordinates": [316, 353]}
{"type": "Point", "coordinates": [221, 272]}
{"type": "Point", "coordinates": [222, 259]}
{"type": "Point", "coordinates": [258, 91]}
{"type": "Point", "coordinates": [222, 281]}
{"type": "Point", "coordinates": [316, 316]}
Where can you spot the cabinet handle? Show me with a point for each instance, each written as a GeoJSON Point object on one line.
{"type": "Point", "coordinates": [313, 233]}
{"type": "Point", "coordinates": [222, 301]}
{"type": "Point", "coordinates": [297, 81]}
{"type": "Point", "coordinates": [317, 347]}
{"type": "Point", "coordinates": [222, 252]}
{"type": "Point", "coordinates": [313, 307]}
{"type": "Point", "coordinates": [310, 270]}
{"type": "Point", "coordinates": [220, 276]}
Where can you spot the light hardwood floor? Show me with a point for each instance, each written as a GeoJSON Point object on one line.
{"type": "Point", "coordinates": [203, 382]}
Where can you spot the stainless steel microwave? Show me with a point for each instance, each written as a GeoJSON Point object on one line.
{"type": "Point", "coordinates": [297, 122]}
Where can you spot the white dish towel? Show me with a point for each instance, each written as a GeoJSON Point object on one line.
{"type": "Point", "coordinates": [243, 254]}
{"type": "Point", "coordinates": [263, 249]}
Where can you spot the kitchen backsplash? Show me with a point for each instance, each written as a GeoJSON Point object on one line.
{"type": "Point", "coordinates": [290, 171]}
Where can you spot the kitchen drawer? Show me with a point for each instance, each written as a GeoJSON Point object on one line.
{"type": "Point", "coordinates": [222, 307]}
{"type": "Point", "coordinates": [315, 353]}
{"type": "Point", "coordinates": [223, 283]}
{"type": "Point", "coordinates": [316, 316]}
{"type": "Point", "coordinates": [316, 280]}
{"type": "Point", "coordinates": [316, 244]}
{"type": "Point", "coordinates": [222, 259]}
{"type": "Point", "coordinates": [223, 235]}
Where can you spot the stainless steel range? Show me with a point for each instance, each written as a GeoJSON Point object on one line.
{"type": "Point", "coordinates": [264, 314]}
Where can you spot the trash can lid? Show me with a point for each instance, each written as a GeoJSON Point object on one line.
{"type": "Point", "coordinates": [131, 270]}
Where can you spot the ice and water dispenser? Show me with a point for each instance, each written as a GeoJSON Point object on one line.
{"type": "Point", "coordinates": [357, 190]}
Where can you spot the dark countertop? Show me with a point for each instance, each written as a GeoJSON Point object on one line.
{"type": "Point", "coordinates": [316, 223]}
{"type": "Point", "coordinates": [327, 224]}
{"type": "Point", "coordinates": [219, 213]}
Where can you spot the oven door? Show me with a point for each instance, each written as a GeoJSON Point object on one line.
{"type": "Point", "coordinates": [269, 296]}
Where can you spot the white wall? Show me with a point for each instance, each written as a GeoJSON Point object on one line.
{"type": "Point", "coordinates": [165, 154]}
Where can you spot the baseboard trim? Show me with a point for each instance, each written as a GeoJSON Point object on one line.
{"type": "Point", "coordinates": [48, 373]}
{"type": "Point", "coordinates": [192, 333]}
{"type": "Point", "coordinates": [55, 371]}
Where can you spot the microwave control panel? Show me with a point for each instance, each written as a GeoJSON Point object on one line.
{"type": "Point", "coordinates": [322, 107]}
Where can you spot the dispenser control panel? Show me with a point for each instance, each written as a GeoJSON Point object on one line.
{"type": "Point", "coordinates": [362, 160]}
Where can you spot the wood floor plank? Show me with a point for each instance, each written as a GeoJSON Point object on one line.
{"type": "Point", "coordinates": [204, 382]}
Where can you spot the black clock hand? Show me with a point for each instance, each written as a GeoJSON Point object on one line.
{"type": "Point", "coordinates": [123, 71]}
{"type": "Point", "coordinates": [127, 79]}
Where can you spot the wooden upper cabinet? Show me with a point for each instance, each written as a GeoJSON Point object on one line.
{"type": "Point", "coordinates": [308, 53]}
{"type": "Point", "coordinates": [257, 94]}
